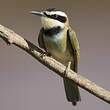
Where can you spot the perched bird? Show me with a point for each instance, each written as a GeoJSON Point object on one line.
{"type": "Point", "coordinates": [58, 39]}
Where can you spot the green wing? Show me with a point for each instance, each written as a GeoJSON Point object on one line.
{"type": "Point", "coordinates": [41, 40]}
{"type": "Point", "coordinates": [75, 46]}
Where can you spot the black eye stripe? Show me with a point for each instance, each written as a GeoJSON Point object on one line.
{"type": "Point", "coordinates": [61, 18]}
{"type": "Point", "coordinates": [57, 17]}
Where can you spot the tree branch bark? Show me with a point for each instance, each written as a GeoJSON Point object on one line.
{"type": "Point", "coordinates": [10, 37]}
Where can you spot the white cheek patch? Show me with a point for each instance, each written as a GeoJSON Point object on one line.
{"type": "Point", "coordinates": [50, 23]}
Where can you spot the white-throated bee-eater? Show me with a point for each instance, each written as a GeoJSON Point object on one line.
{"type": "Point", "coordinates": [58, 39]}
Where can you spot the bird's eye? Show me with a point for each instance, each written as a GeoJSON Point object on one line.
{"type": "Point", "coordinates": [55, 16]}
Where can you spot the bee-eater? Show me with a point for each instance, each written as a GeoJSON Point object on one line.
{"type": "Point", "coordinates": [58, 39]}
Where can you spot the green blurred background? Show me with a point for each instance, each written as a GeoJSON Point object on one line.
{"type": "Point", "coordinates": [25, 84]}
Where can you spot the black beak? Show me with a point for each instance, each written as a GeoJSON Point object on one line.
{"type": "Point", "coordinates": [39, 13]}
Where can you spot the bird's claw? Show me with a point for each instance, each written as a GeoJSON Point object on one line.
{"type": "Point", "coordinates": [45, 54]}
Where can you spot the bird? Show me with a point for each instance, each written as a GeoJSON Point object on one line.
{"type": "Point", "coordinates": [58, 39]}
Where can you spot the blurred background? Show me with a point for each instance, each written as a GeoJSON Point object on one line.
{"type": "Point", "coordinates": [25, 84]}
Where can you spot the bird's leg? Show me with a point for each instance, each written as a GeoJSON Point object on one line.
{"type": "Point", "coordinates": [46, 53]}
{"type": "Point", "coordinates": [67, 69]}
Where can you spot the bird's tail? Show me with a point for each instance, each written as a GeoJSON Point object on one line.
{"type": "Point", "coordinates": [72, 91]}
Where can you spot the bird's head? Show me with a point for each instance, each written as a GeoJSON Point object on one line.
{"type": "Point", "coordinates": [52, 18]}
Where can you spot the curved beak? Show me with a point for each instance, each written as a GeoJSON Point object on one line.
{"type": "Point", "coordinates": [39, 13]}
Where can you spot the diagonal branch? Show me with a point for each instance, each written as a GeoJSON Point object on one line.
{"type": "Point", "coordinates": [11, 37]}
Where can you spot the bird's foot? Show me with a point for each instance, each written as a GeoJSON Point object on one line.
{"type": "Point", "coordinates": [31, 49]}
{"type": "Point", "coordinates": [67, 69]}
{"type": "Point", "coordinates": [48, 54]}
{"type": "Point", "coordinates": [45, 54]}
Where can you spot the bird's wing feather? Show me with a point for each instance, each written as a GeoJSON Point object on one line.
{"type": "Point", "coordinates": [72, 91]}
{"type": "Point", "coordinates": [41, 40]}
{"type": "Point", "coordinates": [75, 46]}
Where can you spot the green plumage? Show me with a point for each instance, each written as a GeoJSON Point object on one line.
{"type": "Point", "coordinates": [64, 50]}
{"type": "Point", "coordinates": [72, 91]}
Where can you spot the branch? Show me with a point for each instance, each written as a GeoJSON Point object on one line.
{"type": "Point", "coordinates": [11, 37]}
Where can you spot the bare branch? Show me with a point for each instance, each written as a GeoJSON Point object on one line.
{"type": "Point", "coordinates": [11, 37]}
